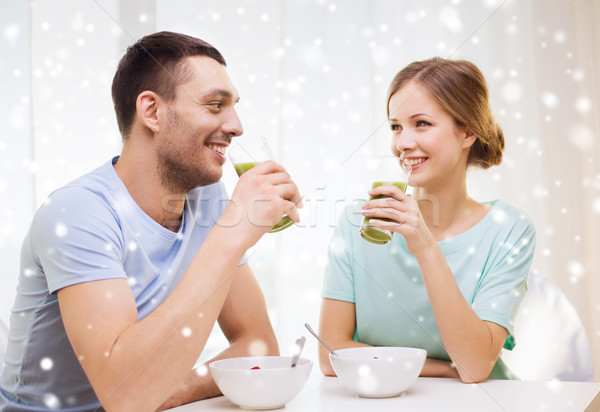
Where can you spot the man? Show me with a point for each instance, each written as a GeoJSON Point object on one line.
{"type": "Point", "coordinates": [125, 270]}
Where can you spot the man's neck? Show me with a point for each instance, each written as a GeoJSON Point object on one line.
{"type": "Point", "coordinates": [137, 169]}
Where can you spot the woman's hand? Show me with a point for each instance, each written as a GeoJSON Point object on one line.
{"type": "Point", "coordinates": [406, 216]}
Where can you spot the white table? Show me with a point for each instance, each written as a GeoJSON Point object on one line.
{"type": "Point", "coordinates": [324, 394]}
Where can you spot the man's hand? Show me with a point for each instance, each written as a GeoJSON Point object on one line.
{"type": "Point", "coordinates": [260, 199]}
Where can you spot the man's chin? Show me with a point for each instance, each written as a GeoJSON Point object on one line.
{"type": "Point", "coordinates": [184, 182]}
{"type": "Point", "coordinates": [209, 179]}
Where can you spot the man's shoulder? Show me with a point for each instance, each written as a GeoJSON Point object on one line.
{"type": "Point", "coordinates": [85, 196]}
{"type": "Point", "coordinates": [100, 180]}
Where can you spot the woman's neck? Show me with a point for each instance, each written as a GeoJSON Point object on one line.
{"type": "Point", "coordinates": [449, 210]}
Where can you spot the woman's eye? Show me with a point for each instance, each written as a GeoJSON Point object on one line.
{"type": "Point", "coordinates": [423, 123]}
{"type": "Point", "coordinates": [396, 127]}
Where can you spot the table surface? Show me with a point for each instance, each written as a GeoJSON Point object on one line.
{"type": "Point", "coordinates": [435, 394]}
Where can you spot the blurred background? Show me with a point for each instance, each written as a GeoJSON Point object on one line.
{"type": "Point", "coordinates": [313, 75]}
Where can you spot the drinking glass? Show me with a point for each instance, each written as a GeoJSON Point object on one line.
{"type": "Point", "coordinates": [246, 152]}
{"type": "Point", "coordinates": [390, 171]}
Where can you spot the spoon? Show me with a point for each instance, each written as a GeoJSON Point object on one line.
{"type": "Point", "coordinates": [298, 350]}
{"type": "Point", "coordinates": [320, 340]}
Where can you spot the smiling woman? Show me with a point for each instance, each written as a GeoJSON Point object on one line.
{"type": "Point", "coordinates": [457, 261]}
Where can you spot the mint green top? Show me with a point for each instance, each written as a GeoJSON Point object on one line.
{"type": "Point", "coordinates": [490, 263]}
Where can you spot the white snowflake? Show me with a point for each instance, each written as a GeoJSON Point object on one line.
{"type": "Point", "coordinates": [51, 401]}
{"type": "Point", "coordinates": [560, 37]}
{"type": "Point", "coordinates": [581, 137]}
{"type": "Point", "coordinates": [381, 55]}
{"type": "Point", "coordinates": [364, 370]}
{"type": "Point", "coordinates": [596, 205]}
{"type": "Point", "coordinates": [583, 105]}
{"type": "Point", "coordinates": [550, 100]}
{"type": "Point", "coordinates": [512, 92]}
{"type": "Point", "coordinates": [576, 270]}
{"type": "Point", "coordinates": [12, 31]}
{"type": "Point", "coordinates": [257, 348]}
{"type": "Point", "coordinates": [449, 17]}
{"type": "Point", "coordinates": [46, 364]}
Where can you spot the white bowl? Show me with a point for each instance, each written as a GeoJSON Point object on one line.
{"type": "Point", "coordinates": [378, 372]}
{"type": "Point", "coordinates": [270, 387]}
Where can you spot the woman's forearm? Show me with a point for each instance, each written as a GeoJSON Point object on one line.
{"type": "Point", "coordinates": [436, 368]}
{"type": "Point", "coordinates": [469, 342]}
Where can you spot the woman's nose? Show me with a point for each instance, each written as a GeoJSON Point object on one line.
{"type": "Point", "coordinates": [404, 142]}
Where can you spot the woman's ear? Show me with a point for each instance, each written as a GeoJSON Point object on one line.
{"type": "Point", "coordinates": [146, 106]}
{"type": "Point", "coordinates": [469, 139]}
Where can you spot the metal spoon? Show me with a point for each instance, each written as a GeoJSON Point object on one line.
{"type": "Point", "coordinates": [298, 350]}
{"type": "Point", "coordinates": [320, 340]}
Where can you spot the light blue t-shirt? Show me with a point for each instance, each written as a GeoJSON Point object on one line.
{"type": "Point", "coordinates": [91, 229]}
{"type": "Point", "coordinates": [490, 263]}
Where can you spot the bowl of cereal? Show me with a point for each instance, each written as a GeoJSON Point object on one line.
{"type": "Point", "coordinates": [378, 372]}
{"type": "Point", "coordinates": [260, 382]}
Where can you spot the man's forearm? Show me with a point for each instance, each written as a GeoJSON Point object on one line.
{"type": "Point", "coordinates": [200, 385]}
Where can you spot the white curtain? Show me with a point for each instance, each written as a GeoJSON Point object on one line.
{"type": "Point", "coordinates": [312, 75]}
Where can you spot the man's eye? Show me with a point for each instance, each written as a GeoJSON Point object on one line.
{"type": "Point", "coordinates": [216, 105]}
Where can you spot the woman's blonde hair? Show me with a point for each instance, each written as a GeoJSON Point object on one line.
{"type": "Point", "coordinates": [460, 88]}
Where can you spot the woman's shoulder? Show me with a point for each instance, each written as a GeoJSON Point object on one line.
{"type": "Point", "coordinates": [510, 220]}
{"type": "Point", "coordinates": [504, 212]}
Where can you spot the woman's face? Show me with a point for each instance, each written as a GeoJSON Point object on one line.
{"type": "Point", "coordinates": [428, 137]}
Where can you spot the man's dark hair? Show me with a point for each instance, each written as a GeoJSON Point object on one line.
{"type": "Point", "coordinates": [155, 63]}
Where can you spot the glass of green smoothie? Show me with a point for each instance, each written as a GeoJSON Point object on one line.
{"type": "Point", "coordinates": [246, 152]}
{"type": "Point", "coordinates": [390, 171]}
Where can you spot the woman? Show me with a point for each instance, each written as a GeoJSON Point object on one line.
{"type": "Point", "coordinates": [451, 279]}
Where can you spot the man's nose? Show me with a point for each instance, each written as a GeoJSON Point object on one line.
{"type": "Point", "coordinates": [232, 126]}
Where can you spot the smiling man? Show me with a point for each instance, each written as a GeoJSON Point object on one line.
{"type": "Point", "coordinates": [125, 270]}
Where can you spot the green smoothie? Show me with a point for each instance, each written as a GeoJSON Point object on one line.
{"type": "Point", "coordinates": [373, 234]}
{"type": "Point", "coordinates": [241, 168]}
{"type": "Point", "coordinates": [286, 221]}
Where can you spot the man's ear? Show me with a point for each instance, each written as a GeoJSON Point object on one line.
{"type": "Point", "coordinates": [146, 106]}
{"type": "Point", "coordinates": [469, 139]}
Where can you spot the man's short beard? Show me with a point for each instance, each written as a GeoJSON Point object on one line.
{"type": "Point", "coordinates": [177, 168]}
{"type": "Point", "coordinates": [177, 177]}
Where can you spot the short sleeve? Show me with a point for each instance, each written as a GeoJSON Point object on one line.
{"type": "Point", "coordinates": [502, 288]}
{"type": "Point", "coordinates": [338, 282]}
{"type": "Point", "coordinates": [76, 238]}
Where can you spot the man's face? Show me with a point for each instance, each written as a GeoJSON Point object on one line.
{"type": "Point", "coordinates": [200, 123]}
